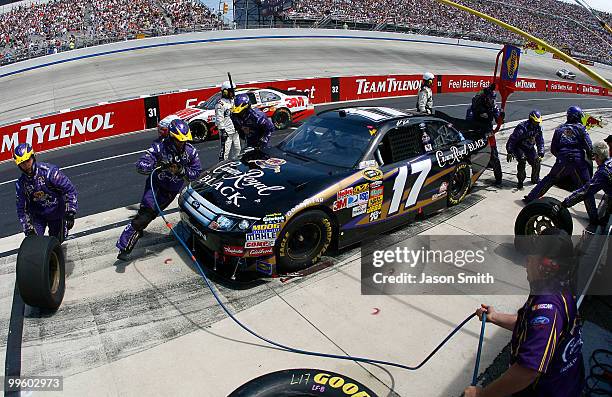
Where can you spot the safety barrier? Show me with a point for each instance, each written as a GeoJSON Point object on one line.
{"type": "Point", "coordinates": [71, 127]}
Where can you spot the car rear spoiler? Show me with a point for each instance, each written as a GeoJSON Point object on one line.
{"type": "Point", "coordinates": [470, 129]}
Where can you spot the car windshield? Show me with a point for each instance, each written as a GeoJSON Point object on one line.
{"type": "Point", "coordinates": [338, 142]}
{"type": "Point", "coordinates": [210, 103]}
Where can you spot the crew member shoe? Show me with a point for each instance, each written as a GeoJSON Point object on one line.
{"type": "Point", "coordinates": [124, 255]}
{"type": "Point", "coordinates": [519, 185]}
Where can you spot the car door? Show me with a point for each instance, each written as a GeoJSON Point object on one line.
{"type": "Point", "coordinates": [405, 160]}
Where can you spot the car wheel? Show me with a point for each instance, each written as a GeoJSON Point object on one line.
{"type": "Point", "coordinates": [41, 272]}
{"type": "Point", "coordinates": [285, 383]}
{"type": "Point", "coordinates": [303, 241]}
{"type": "Point", "coordinates": [199, 130]}
{"type": "Point", "coordinates": [282, 119]}
{"type": "Point", "coordinates": [542, 214]}
{"type": "Point", "coordinates": [459, 186]}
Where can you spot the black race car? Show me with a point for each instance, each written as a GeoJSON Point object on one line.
{"type": "Point", "coordinates": [344, 175]}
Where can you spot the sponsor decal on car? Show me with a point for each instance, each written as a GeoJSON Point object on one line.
{"type": "Point", "coordinates": [271, 163]}
{"type": "Point", "coordinates": [364, 187]}
{"type": "Point", "coordinates": [233, 250]}
{"type": "Point", "coordinates": [443, 187]}
{"type": "Point", "coordinates": [359, 210]}
{"type": "Point", "coordinates": [340, 204]}
{"type": "Point", "coordinates": [259, 244]}
{"type": "Point", "coordinates": [238, 181]}
{"type": "Point", "coordinates": [344, 192]}
{"type": "Point", "coordinates": [375, 184]}
{"type": "Point", "coordinates": [372, 174]}
{"type": "Point", "coordinates": [375, 204]}
{"type": "Point", "coordinates": [306, 203]}
{"type": "Point", "coordinates": [261, 236]}
{"type": "Point", "coordinates": [374, 216]}
{"type": "Point", "coordinates": [274, 218]}
{"type": "Point", "coordinates": [269, 227]}
{"type": "Point", "coordinates": [266, 251]}
{"type": "Point", "coordinates": [357, 199]}
{"type": "Point", "coordinates": [195, 229]}
{"type": "Point", "coordinates": [457, 153]}
{"type": "Point", "coordinates": [367, 164]}
{"type": "Point", "coordinates": [377, 192]}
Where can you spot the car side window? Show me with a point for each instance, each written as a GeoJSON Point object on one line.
{"type": "Point", "coordinates": [268, 96]}
{"type": "Point", "coordinates": [442, 134]}
{"type": "Point", "coordinates": [400, 144]}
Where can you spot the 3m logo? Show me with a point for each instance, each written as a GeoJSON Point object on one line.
{"type": "Point", "coordinates": [295, 102]}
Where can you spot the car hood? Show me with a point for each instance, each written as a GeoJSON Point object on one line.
{"type": "Point", "coordinates": [265, 182]}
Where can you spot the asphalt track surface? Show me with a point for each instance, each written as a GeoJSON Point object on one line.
{"type": "Point", "coordinates": [161, 69]}
{"type": "Point", "coordinates": [106, 178]}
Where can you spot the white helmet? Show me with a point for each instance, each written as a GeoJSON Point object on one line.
{"type": "Point", "coordinates": [226, 85]}
{"type": "Point", "coordinates": [428, 76]}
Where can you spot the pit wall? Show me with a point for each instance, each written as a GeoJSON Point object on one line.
{"type": "Point", "coordinates": [70, 127]}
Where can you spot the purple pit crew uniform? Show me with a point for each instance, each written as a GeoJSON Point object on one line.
{"type": "Point", "coordinates": [602, 180]}
{"type": "Point", "coordinates": [547, 338]}
{"type": "Point", "coordinates": [166, 185]}
{"type": "Point", "coordinates": [44, 199]}
{"type": "Point", "coordinates": [572, 147]}
{"type": "Point", "coordinates": [521, 145]}
{"type": "Point", "coordinates": [255, 126]}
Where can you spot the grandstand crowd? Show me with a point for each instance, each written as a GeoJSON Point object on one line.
{"type": "Point", "coordinates": [58, 25]}
{"type": "Point", "coordinates": [564, 25]}
{"type": "Point", "coordinates": [47, 27]}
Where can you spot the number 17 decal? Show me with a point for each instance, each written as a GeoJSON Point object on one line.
{"type": "Point", "coordinates": [422, 168]}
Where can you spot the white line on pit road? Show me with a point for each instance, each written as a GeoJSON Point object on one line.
{"type": "Point", "coordinates": [86, 163]}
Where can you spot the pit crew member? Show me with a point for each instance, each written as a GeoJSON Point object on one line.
{"type": "Point", "coordinates": [571, 145]}
{"type": "Point", "coordinates": [546, 358]}
{"type": "Point", "coordinates": [520, 146]}
{"type": "Point", "coordinates": [425, 97]}
{"type": "Point", "coordinates": [484, 112]}
{"type": "Point", "coordinates": [45, 196]}
{"type": "Point", "coordinates": [228, 138]}
{"type": "Point", "coordinates": [179, 161]}
{"type": "Point", "coordinates": [602, 180]}
{"type": "Point", "coordinates": [252, 123]}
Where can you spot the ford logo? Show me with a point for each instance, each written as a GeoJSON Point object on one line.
{"type": "Point", "coordinates": [195, 204]}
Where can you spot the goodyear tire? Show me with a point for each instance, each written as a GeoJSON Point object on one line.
{"type": "Point", "coordinates": [303, 382]}
{"type": "Point", "coordinates": [41, 273]}
{"type": "Point", "coordinates": [199, 130]}
{"type": "Point", "coordinates": [542, 214]}
{"type": "Point", "coordinates": [459, 185]}
{"type": "Point", "coordinates": [303, 241]}
{"type": "Point", "coordinates": [282, 119]}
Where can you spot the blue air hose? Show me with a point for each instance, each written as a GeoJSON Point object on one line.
{"type": "Point", "coordinates": [289, 348]}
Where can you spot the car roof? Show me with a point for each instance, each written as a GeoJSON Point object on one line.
{"type": "Point", "coordinates": [368, 114]}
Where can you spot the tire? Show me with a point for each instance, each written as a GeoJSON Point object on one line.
{"type": "Point", "coordinates": [282, 119]}
{"type": "Point", "coordinates": [303, 241]}
{"type": "Point", "coordinates": [200, 131]}
{"type": "Point", "coordinates": [541, 214]}
{"type": "Point", "coordinates": [459, 185]}
{"type": "Point", "coordinates": [304, 383]}
{"type": "Point", "coordinates": [41, 272]}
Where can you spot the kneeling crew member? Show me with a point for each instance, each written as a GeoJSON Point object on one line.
{"type": "Point", "coordinates": [602, 180]}
{"type": "Point", "coordinates": [179, 161]}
